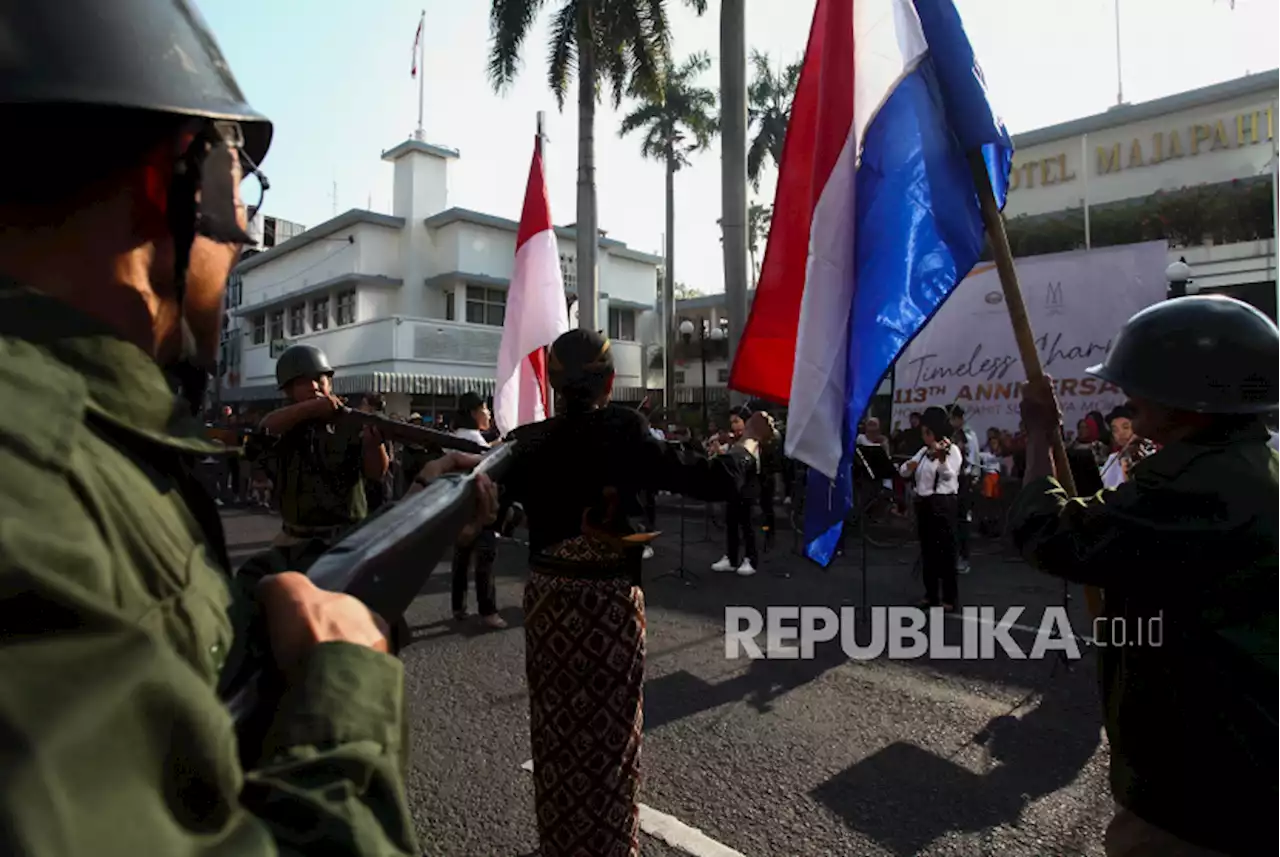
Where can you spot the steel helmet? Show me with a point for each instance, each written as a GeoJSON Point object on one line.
{"type": "Point", "coordinates": [154, 55]}
{"type": "Point", "coordinates": [1209, 354]}
{"type": "Point", "coordinates": [301, 361]}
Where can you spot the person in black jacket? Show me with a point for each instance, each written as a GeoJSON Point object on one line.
{"type": "Point", "coordinates": [576, 474]}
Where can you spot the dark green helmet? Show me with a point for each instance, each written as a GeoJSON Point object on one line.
{"type": "Point", "coordinates": [301, 361]}
{"type": "Point", "coordinates": [1209, 354]}
{"type": "Point", "coordinates": [154, 55]}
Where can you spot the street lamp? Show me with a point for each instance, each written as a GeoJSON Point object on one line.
{"type": "Point", "coordinates": [706, 332]}
{"type": "Point", "coordinates": [1178, 274]}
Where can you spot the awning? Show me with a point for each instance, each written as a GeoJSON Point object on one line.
{"type": "Point", "coordinates": [413, 385]}
{"type": "Point", "coordinates": [258, 393]}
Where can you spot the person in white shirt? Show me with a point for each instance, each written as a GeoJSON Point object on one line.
{"type": "Point", "coordinates": [967, 438]}
{"type": "Point", "coordinates": [935, 471]}
{"type": "Point", "coordinates": [473, 420]}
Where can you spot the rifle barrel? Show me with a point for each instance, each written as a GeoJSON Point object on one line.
{"type": "Point", "coordinates": [411, 434]}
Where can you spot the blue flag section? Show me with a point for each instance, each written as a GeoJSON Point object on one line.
{"type": "Point", "coordinates": [918, 230]}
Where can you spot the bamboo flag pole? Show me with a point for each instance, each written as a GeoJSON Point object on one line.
{"type": "Point", "coordinates": [994, 223]}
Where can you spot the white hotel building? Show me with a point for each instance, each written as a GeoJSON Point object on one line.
{"type": "Point", "coordinates": [411, 304]}
{"type": "Point", "coordinates": [1216, 138]}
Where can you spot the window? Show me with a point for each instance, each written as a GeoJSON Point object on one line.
{"type": "Point", "coordinates": [277, 325]}
{"type": "Point", "coordinates": [235, 291]}
{"type": "Point", "coordinates": [450, 314]}
{"type": "Point", "coordinates": [723, 376]}
{"type": "Point", "coordinates": [259, 329]}
{"type": "Point", "coordinates": [320, 314]}
{"type": "Point", "coordinates": [679, 377]}
{"type": "Point", "coordinates": [569, 270]}
{"type": "Point", "coordinates": [347, 306]}
{"type": "Point", "coordinates": [486, 306]}
{"type": "Point", "coordinates": [622, 325]}
{"type": "Point", "coordinates": [297, 319]}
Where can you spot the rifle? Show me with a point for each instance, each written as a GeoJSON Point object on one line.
{"type": "Point", "coordinates": [410, 434]}
{"type": "Point", "coordinates": [384, 563]}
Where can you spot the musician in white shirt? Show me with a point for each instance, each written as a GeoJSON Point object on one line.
{"type": "Point", "coordinates": [935, 471]}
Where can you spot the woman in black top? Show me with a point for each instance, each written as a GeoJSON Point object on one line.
{"type": "Point", "coordinates": [584, 608]}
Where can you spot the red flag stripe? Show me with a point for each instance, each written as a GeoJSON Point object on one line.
{"type": "Point", "coordinates": [821, 115]}
{"type": "Point", "coordinates": [536, 215]}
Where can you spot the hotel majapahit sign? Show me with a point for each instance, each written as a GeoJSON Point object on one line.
{"type": "Point", "coordinates": [1189, 140]}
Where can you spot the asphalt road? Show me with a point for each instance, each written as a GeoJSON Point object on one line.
{"type": "Point", "coordinates": [828, 756]}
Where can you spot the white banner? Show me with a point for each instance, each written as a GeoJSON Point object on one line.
{"type": "Point", "coordinates": [1076, 301]}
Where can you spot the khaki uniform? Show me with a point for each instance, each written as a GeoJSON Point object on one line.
{"type": "Point", "coordinates": [320, 493]}
{"type": "Point", "coordinates": [1191, 717]}
{"type": "Point", "coordinates": [120, 621]}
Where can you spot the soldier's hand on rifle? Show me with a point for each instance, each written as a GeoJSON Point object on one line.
{"type": "Point", "coordinates": [300, 616]}
{"type": "Point", "coordinates": [326, 406]}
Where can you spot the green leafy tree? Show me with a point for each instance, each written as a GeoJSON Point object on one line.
{"type": "Point", "coordinates": [769, 101]}
{"type": "Point", "coordinates": [677, 118]}
{"type": "Point", "coordinates": [618, 43]}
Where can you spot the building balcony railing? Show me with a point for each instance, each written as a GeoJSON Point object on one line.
{"type": "Point", "coordinates": [715, 349]}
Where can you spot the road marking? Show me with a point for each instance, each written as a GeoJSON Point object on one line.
{"type": "Point", "coordinates": [674, 832]}
{"type": "Point", "coordinates": [1013, 626]}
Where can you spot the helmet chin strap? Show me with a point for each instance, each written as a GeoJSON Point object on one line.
{"type": "Point", "coordinates": [201, 202]}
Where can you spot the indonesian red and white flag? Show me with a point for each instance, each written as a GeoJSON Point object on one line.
{"type": "Point", "coordinates": [417, 40]}
{"type": "Point", "coordinates": [536, 311]}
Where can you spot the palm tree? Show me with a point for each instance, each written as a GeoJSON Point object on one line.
{"type": "Point", "coordinates": [759, 218]}
{"type": "Point", "coordinates": [768, 112]}
{"type": "Point", "coordinates": [616, 42]}
{"type": "Point", "coordinates": [678, 118]}
{"type": "Point", "coordinates": [733, 162]}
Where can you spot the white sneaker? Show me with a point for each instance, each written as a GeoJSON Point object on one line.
{"type": "Point", "coordinates": [746, 569]}
{"type": "Point", "coordinates": [962, 567]}
{"type": "Point", "coordinates": [722, 564]}
{"type": "Point", "coordinates": [648, 552]}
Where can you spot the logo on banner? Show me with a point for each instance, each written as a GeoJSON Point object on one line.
{"type": "Point", "coordinates": [1053, 299]}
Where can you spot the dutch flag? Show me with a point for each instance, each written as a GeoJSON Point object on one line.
{"type": "Point", "coordinates": [875, 222]}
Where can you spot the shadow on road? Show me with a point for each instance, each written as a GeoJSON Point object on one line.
{"type": "Point", "coordinates": [466, 628]}
{"type": "Point", "coordinates": [905, 797]}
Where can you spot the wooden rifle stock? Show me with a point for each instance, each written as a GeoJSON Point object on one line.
{"type": "Point", "coordinates": [385, 563]}
{"type": "Point", "coordinates": [411, 434]}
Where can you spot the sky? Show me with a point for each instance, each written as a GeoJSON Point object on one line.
{"type": "Point", "coordinates": [334, 77]}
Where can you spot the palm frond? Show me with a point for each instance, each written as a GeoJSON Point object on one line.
{"type": "Point", "coordinates": [509, 24]}
{"type": "Point", "coordinates": [562, 59]}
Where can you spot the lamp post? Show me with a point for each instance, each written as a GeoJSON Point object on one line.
{"type": "Point", "coordinates": [706, 332]}
{"type": "Point", "coordinates": [1178, 274]}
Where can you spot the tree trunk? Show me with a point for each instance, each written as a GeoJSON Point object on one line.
{"type": "Point", "coordinates": [588, 233]}
{"type": "Point", "coordinates": [733, 165]}
{"type": "Point", "coordinates": [669, 338]}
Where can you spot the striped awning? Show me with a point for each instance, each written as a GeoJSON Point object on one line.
{"type": "Point", "coordinates": [413, 385]}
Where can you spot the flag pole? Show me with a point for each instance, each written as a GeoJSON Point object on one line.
{"type": "Point", "coordinates": [994, 223]}
{"type": "Point", "coordinates": [420, 135]}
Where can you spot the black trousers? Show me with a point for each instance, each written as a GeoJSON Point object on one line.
{"type": "Point", "coordinates": [650, 501]}
{"type": "Point", "coordinates": [485, 551]}
{"type": "Point", "coordinates": [738, 528]}
{"type": "Point", "coordinates": [964, 511]}
{"type": "Point", "coordinates": [936, 522]}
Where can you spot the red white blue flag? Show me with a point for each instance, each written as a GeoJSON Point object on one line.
{"type": "Point", "coordinates": [875, 222]}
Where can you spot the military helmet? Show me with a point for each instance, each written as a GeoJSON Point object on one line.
{"type": "Point", "coordinates": [301, 361]}
{"type": "Point", "coordinates": [152, 55]}
{"type": "Point", "coordinates": [1208, 354]}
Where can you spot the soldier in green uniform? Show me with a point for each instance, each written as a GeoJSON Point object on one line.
{"type": "Point", "coordinates": [1185, 553]}
{"type": "Point", "coordinates": [120, 219]}
{"type": "Point", "coordinates": [320, 464]}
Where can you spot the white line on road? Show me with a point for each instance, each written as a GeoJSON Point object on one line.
{"type": "Point", "coordinates": [675, 832]}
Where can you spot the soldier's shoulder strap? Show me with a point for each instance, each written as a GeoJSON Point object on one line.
{"type": "Point", "coordinates": [42, 403]}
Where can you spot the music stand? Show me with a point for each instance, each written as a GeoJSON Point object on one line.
{"type": "Point", "coordinates": [872, 464]}
{"type": "Point", "coordinates": [680, 572]}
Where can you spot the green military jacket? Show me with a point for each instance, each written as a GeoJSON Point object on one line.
{"type": "Point", "coordinates": [1191, 700]}
{"type": "Point", "coordinates": [118, 619]}
{"type": "Point", "coordinates": [320, 475]}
